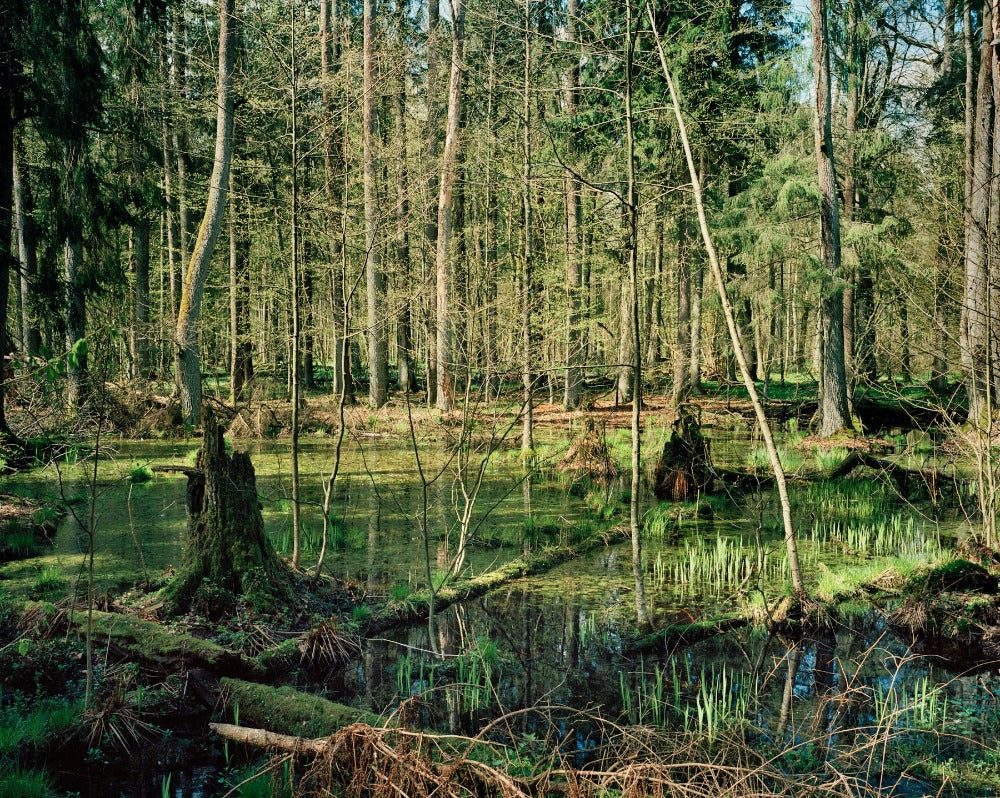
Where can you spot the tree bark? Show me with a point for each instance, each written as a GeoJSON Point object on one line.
{"type": "Point", "coordinates": [335, 175]}
{"type": "Point", "coordinates": [241, 343]}
{"type": "Point", "coordinates": [378, 353]}
{"type": "Point", "coordinates": [8, 70]}
{"type": "Point", "coordinates": [574, 221]}
{"type": "Point", "coordinates": [527, 378]}
{"type": "Point", "coordinates": [449, 170]}
{"type": "Point", "coordinates": [188, 362]}
{"type": "Point", "coordinates": [433, 191]}
{"type": "Point", "coordinates": [404, 335]}
{"type": "Point", "coordinates": [632, 200]}
{"type": "Point", "coordinates": [977, 235]}
{"type": "Point", "coordinates": [834, 413]}
{"type": "Point", "coordinates": [24, 208]}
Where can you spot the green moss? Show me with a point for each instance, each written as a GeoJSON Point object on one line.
{"type": "Point", "coordinates": [153, 642]}
{"type": "Point", "coordinates": [289, 711]}
{"type": "Point", "coordinates": [961, 576]}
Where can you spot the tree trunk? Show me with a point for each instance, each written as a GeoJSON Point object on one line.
{"type": "Point", "coordinates": [433, 196]}
{"type": "Point", "coordinates": [335, 174]}
{"type": "Point", "coordinates": [404, 336]}
{"type": "Point", "coordinates": [8, 69]}
{"type": "Point", "coordinates": [527, 300]}
{"type": "Point", "coordinates": [449, 170]}
{"type": "Point", "coordinates": [574, 223]}
{"type": "Point", "coordinates": [977, 278]}
{"type": "Point", "coordinates": [682, 351]}
{"type": "Point", "coordinates": [632, 200]}
{"type": "Point", "coordinates": [834, 414]}
{"type": "Point", "coordinates": [226, 547]}
{"type": "Point", "coordinates": [241, 344]}
{"type": "Point", "coordinates": [697, 295]}
{"type": "Point", "coordinates": [24, 208]}
{"type": "Point", "coordinates": [188, 364]}
{"type": "Point", "coordinates": [791, 545]}
{"type": "Point", "coordinates": [378, 353]}
{"type": "Point", "coordinates": [169, 196]}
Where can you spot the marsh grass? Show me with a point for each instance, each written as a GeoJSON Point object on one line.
{"type": "Point", "coordinates": [719, 564]}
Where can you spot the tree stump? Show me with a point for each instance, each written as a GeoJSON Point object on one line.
{"type": "Point", "coordinates": [685, 468]}
{"type": "Point", "coordinates": [227, 555]}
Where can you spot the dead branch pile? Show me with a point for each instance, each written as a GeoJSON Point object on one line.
{"type": "Point", "coordinates": [635, 762]}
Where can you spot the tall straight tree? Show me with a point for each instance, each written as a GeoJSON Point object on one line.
{"type": "Point", "coordinates": [335, 182]}
{"type": "Point", "coordinates": [574, 220]}
{"type": "Point", "coordinates": [449, 173]}
{"type": "Point", "coordinates": [632, 210]}
{"type": "Point", "coordinates": [527, 428]}
{"type": "Point", "coordinates": [834, 415]}
{"type": "Point", "coordinates": [979, 298]}
{"type": "Point", "coordinates": [188, 361]}
{"type": "Point", "coordinates": [378, 353]}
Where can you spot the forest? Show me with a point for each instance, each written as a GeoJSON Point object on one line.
{"type": "Point", "coordinates": [525, 398]}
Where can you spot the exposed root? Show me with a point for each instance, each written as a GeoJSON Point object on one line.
{"type": "Point", "coordinates": [326, 649]}
{"type": "Point", "coordinates": [588, 457]}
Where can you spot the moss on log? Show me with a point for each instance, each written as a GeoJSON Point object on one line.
{"type": "Point", "coordinates": [154, 644]}
{"type": "Point", "coordinates": [289, 711]}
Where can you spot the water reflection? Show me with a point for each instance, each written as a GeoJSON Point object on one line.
{"type": "Point", "coordinates": [515, 648]}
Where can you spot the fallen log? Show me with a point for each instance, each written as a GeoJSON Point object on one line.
{"type": "Point", "coordinates": [272, 741]}
{"type": "Point", "coordinates": [290, 711]}
{"type": "Point", "coordinates": [931, 479]}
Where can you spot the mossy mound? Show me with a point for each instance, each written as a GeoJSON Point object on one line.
{"type": "Point", "coordinates": [960, 576]}
{"type": "Point", "coordinates": [955, 601]}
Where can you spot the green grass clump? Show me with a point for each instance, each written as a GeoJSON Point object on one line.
{"type": "Point", "coordinates": [26, 784]}
{"type": "Point", "coordinates": [48, 582]}
{"type": "Point", "coordinates": [140, 473]}
{"type": "Point", "coordinates": [827, 459]}
{"type": "Point", "coordinates": [35, 725]}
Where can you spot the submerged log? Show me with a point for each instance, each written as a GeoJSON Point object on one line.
{"type": "Point", "coordinates": [684, 470]}
{"type": "Point", "coordinates": [931, 480]}
{"type": "Point", "coordinates": [417, 606]}
{"type": "Point", "coordinates": [227, 553]}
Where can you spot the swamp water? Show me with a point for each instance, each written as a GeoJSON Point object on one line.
{"type": "Point", "coordinates": [554, 641]}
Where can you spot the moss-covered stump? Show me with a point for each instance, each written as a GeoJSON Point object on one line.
{"type": "Point", "coordinates": [684, 470]}
{"type": "Point", "coordinates": [955, 601]}
{"type": "Point", "coordinates": [289, 711]}
{"type": "Point", "coordinates": [227, 556]}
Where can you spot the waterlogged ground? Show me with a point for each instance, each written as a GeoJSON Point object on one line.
{"type": "Point", "coordinates": [555, 640]}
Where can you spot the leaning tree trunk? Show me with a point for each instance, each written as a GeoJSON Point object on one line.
{"type": "Point", "coordinates": [226, 547]}
{"type": "Point", "coordinates": [188, 362]}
